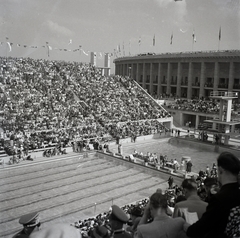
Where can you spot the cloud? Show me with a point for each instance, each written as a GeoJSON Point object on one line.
{"type": "Point", "coordinates": [56, 28]}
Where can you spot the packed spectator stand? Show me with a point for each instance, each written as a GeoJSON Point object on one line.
{"type": "Point", "coordinates": [54, 104]}
{"type": "Point", "coordinates": [174, 195]}
{"type": "Point", "coordinates": [46, 103]}
{"type": "Point", "coordinates": [204, 106]}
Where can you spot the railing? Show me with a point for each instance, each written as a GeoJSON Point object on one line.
{"type": "Point", "coordinates": [223, 94]}
{"type": "Point", "coordinates": [159, 106]}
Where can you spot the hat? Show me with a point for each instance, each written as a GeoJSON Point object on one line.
{"type": "Point", "coordinates": [30, 220]}
{"type": "Point", "coordinates": [229, 162]}
{"type": "Point", "coordinates": [118, 214]}
{"type": "Point", "coordinates": [136, 211]}
{"type": "Point", "coordinates": [100, 232]}
{"type": "Point", "coordinates": [210, 181]}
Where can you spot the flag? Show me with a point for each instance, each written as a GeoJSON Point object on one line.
{"type": "Point", "coordinates": [194, 37]}
{"type": "Point", "coordinates": [171, 39]}
{"type": "Point", "coordinates": [100, 55]}
{"type": "Point", "coordinates": [139, 41]}
{"type": "Point", "coordinates": [129, 45]}
{"type": "Point", "coordinates": [80, 49]}
{"type": "Point", "coordinates": [84, 52]}
{"type": "Point", "coordinates": [220, 33]}
{"type": "Point", "coordinates": [154, 40]}
{"type": "Point", "coordinates": [48, 48]}
{"type": "Point", "coordinates": [9, 46]}
{"type": "Point", "coordinates": [115, 53]}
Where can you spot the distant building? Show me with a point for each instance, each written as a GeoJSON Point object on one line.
{"type": "Point", "coordinates": [186, 75]}
{"type": "Point", "coordinates": [106, 68]}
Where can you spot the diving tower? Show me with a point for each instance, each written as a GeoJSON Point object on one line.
{"type": "Point", "coordinates": [224, 120]}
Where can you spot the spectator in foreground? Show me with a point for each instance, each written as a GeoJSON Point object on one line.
{"type": "Point", "coordinates": [214, 221]}
{"type": "Point", "coordinates": [211, 188]}
{"type": "Point", "coordinates": [117, 219]}
{"type": "Point", "coordinates": [100, 232]}
{"type": "Point", "coordinates": [135, 214]}
{"type": "Point", "coordinates": [57, 231]}
{"type": "Point", "coordinates": [162, 225]}
{"type": "Point", "coordinates": [193, 202]}
{"type": "Point", "coordinates": [30, 224]}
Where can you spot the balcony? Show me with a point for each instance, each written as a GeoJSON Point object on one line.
{"type": "Point", "coordinates": [223, 85]}
{"type": "Point", "coordinates": [223, 94]}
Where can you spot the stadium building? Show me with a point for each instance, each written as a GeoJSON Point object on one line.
{"type": "Point", "coordinates": [186, 75]}
{"type": "Point", "coordinates": [189, 75]}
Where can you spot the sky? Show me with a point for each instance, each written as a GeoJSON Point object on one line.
{"type": "Point", "coordinates": [124, 27]}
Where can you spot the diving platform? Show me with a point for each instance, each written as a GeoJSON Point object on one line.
{"type": "Point", "coordinates": [231, 123]}
{"type": "Point", "coordinates": [223, 95]}
{"type": "Point", "coordinates": [224, 121]}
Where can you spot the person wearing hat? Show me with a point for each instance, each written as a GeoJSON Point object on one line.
{"type": "Point", "coordinates": [100, 232]}
{"type": "Point", "coordinates": [117, 219]}
{"type": "Point", "coordinates": [211, 187]}
{"type": "Point", "coordinates": [214, 221]}
{"type": "Point", "coordinates": [30, 223]}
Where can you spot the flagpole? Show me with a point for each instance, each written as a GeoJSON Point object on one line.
{"type": "Point", "coordinates": [139, 44]}
{"type": "Point", "coordinates": [193, 36]}
{"type": "Point", "coordinates": [47, 49]}
{"type": "Point", "coordinates": [7, 51]}
{"type": "Point", "coordinates": [80, 49]}
{"type": "Point", "coordinates": [219, 37]}
{"type": "Point", "coordinates": [129, 46]}
{"type": "Point", "coordinates": [171, 41]}
{"type": "Point", "coordinates": [7, 48]}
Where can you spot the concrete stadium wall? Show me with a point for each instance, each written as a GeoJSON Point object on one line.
{"type": "Point", "coordinates": [146, 169]}
{"type": "Point", "coordinates": [142, 138]}
{"type": "Point", "coordinates": [203, 146]}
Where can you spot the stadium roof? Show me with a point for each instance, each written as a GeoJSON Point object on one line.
{"type": "Point", "coordinates": [191, 54]}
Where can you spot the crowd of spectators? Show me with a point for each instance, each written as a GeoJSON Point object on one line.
{"type": "Point", "coordinates": [43, 102]}
{"type": "Point", "coordinates": [208, 106]}
{"type": "Point", "coordinates": [206, 182]}
{"type": "Point", "coordinates": [166, 213]}
{"type": "Point", "coordinates": [207, 186]}
{"type": "Point", "coordinates": [199, 190]}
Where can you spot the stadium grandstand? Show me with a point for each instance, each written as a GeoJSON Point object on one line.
{"type": "Point", "coordinates": [63, 112]}
{"type": "Point", "coordinates": [36, 96]}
